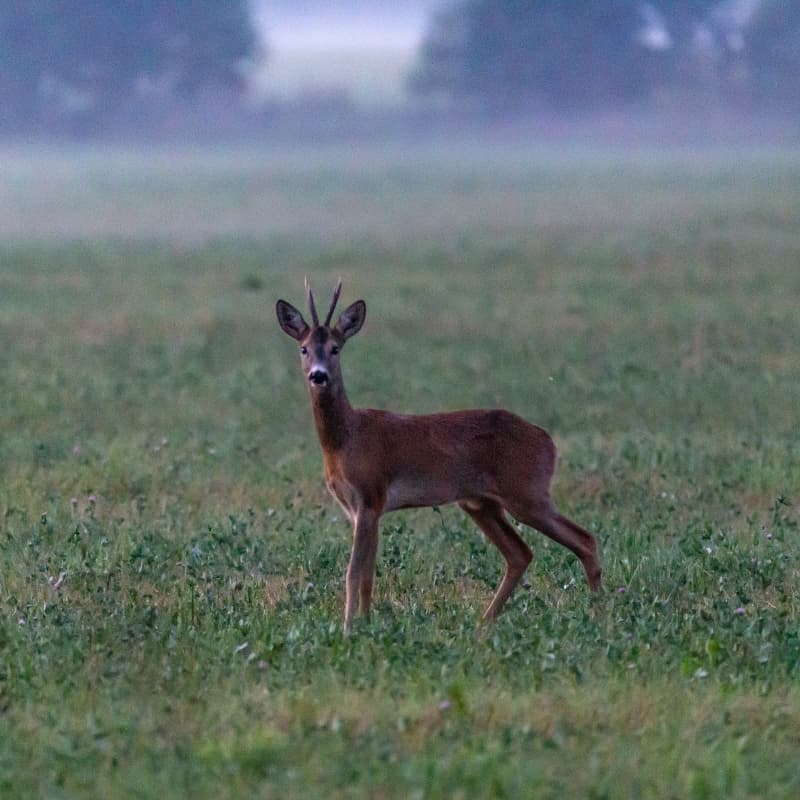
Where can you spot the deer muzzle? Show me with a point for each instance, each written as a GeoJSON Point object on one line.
{"type": "Point", "coordinates": [319, 377]}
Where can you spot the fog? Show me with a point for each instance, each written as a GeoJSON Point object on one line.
{"type": "Point", "coordinates": [313, 71]}
{"type": "Point", "coordinates": [362, 49]}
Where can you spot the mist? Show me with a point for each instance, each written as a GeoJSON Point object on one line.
{"type": "Point", "coordinates": [311, 71]}
{"type": "Point", "coordinates": [580, 216]}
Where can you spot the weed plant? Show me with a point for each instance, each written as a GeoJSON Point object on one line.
{"type": "Point", "coordinates": [171, 568]}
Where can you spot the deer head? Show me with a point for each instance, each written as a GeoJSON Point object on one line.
{"type": "Point", "coordinates": [320, 344]}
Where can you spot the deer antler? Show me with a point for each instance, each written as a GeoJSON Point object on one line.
{"type": "Point", "coordinates": [333, 302]}
{"type": "Point", "coordinates": [312, 307]}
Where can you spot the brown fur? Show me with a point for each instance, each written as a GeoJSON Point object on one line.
{"type": "Point", "coordinates": [489, 462]}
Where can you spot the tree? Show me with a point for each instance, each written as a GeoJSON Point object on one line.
{"type": "Point", "coordinates": [92, 58]}
{"type": "Point", "coordinates": [683, 20]}
{"type": "Point", "coordinates": [701, 52]}
{"type": "Point", "coordinates": [772, 46]}
{"type": "Point", "coordinates": [513, 55]}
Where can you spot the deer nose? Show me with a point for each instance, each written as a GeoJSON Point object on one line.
{"type": "Point", "coordinates": [318, 377]}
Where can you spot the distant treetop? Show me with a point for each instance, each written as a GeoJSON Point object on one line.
{"type": "Point", "coordinates": [518, 56]}
{"type": "Point", "coordinates": [87, 59]}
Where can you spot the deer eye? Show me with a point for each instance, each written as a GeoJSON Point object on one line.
{"type": "Point", "coordinates": [334, 350]}
{"type": "Point", "coordinates": [304, 351]}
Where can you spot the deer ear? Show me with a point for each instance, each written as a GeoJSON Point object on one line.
{"type": "Point", "coordinates": [291, 320]}
{"type": "Point", "coordinates": [351, 319]}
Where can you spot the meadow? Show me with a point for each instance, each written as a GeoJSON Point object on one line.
{"type": "Point", "coordinates": [172, 568]}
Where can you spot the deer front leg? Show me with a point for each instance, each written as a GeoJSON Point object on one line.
{"type": "Point", "coordinates": [361, 569]}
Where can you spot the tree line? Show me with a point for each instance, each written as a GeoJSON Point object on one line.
{"type": "Point", "coordinates": [523, 55]}
{"type": "Point", "coordinates": [84, 61]}
{"type": "Point", "coordinates": [88, 62]}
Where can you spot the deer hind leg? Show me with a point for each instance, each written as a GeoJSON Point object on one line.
{"type": "Point", "coordinates": [361, 569]}
{"type": "Point", "coordinates": [559, 528]}
{"type": "Point", "coordinates": [491, 519]}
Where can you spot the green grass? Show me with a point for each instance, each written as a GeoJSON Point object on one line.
{"type": "Point", "coordinates": [171, 568]}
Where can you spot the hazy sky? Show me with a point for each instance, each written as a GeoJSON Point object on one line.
{"type": "Point", "coordinates": [348, 24]}
{"type": "Point", "coordinates": [364, 47]}
{"type": "Point", "coordinates": [367, 47]}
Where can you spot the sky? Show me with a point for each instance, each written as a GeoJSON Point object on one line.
{"type": "Point", "coordinates": [362, 47]}
{"type": "Point", "coordinates": [366, 48]}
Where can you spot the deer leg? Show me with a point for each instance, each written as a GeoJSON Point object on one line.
{"type": "Point", "coordinates": [361, 569]}
{"type": "Point", "coordinates": [567, 533]}
{"type": "Point", "coordinates": [489, 516]}
{"type": "Point", "coordinates": [368, 573]}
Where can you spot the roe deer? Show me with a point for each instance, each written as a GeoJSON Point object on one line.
{"type": "Point", "coordinates": [489, 462]}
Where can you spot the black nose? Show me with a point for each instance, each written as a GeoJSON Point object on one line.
{"type": "Point", "coordinates": [318, 376]}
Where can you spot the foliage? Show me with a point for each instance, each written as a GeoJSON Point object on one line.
{"type": "Point", "coordinates": [510, 56]}
{"type": "Point", "coordinates": [774, 41]}
{"type": "Point", "coordinates": [88, 59]}
{"type": "Point", "coordinates": [513, 55]}
{"type": "Point", "coordinates": [171, 568]}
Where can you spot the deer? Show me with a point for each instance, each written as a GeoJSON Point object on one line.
{"type": "Point", "coordinates": [492, 463]}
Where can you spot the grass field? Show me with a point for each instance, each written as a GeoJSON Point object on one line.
{"type": "Point", "coordinates": [171, 567]}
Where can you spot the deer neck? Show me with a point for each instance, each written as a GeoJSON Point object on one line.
{"type": "Point", "coordinates": [332, 417]}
